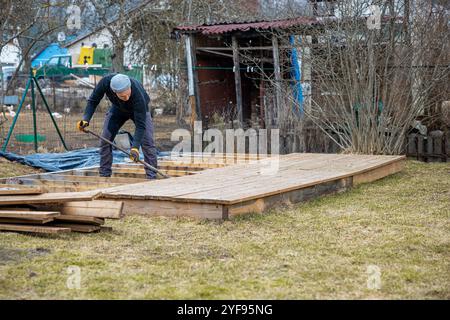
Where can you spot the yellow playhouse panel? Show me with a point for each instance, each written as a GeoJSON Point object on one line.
{"type": "Point", "coordinates": [86, 55]}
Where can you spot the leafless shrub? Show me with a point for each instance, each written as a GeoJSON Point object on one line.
{"type": "Point", "coordinates": [368, 84]}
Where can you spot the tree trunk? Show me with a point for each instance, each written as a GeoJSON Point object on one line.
{"type": "Point", "coordinates": [118, 57]}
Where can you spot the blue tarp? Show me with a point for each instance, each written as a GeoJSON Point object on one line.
{"type": "Point", "coordinates": [75, 159]}
{"type": "Point", "coordinates": [81, 158]}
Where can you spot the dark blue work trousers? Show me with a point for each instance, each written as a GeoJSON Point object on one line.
{"type": "Point", "coordinates": [114, 120]}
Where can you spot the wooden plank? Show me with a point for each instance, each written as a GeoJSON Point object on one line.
{"type": "Point", "coordinates": [193, 89]}
{"type": "Point", "coordinates": [62, 189]}
{"type": "Point", "coordinates": [9, 208]}
{"type": "Point", "coordinates": [25, 221]}
{"type": "Point", "coordinates": [213, 158]}
{"type": "Point", "coordinates": [237, 80]}
{"type": "Point", "coordinates": [379, 173]}
{"type": "Point", "coordinates": [67, 185]}
{"type": "Point", "coordinates": [277, 72]}
{"type": "Point", "coordinates": [181, 167]}
{"type": "Point", "coordinates": [198, 107]}
{"type": "Point", "coordinates": [288, 198]}
{"type": "Point", "coordinates": [35, 175]}
{"type": "Point", "coordinates": [174, 165]}
{"type": "Point", "coordinates": [242, 48]}
{"type": "Point", "coordinates": [96, 208]}
{"type": "Point", "coordinates": [130, 173]}
{"type": "Point", "coordinates": [216, 53]}
{"type": "Point", "coordinates": [13, 189]}
{"type": "Point", "coordinates": [84, 228]}
{"type": "Point", "coordinates": [94, 173]}
{"type": "Point", "coordinates": [217, 155]}
{"type": "Point", "coordinates": [38, 215]}
{"type": "Point", "coordinates": [33, 229]}
{"type": "Point", "coordinates": [210, 162]}
{"type": "Point", "coordinates": [49, 198]}
{"type": "Point", "coordinates": [166, 169]}
{"type": "Point", "coordinates": [172, 208]}
{"type": "Point", "coordinates": [80, 219]}
{"type": "Point", "coordinates": [91, 179]}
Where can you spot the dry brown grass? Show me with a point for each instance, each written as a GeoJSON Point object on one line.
{"type": "Point", "coordinates": [11, 169]}
{"type": "Point", "coordinates": [319, 249]}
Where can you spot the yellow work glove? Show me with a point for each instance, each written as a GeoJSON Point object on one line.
{"type": "Point", "coordinates": [81, 125]}
{"type": "Point", "coordinates": [134, 154]}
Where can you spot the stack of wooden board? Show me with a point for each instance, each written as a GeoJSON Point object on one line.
{"type": "Point", "coordinates": [56, 212]}
{"type": "Point", "coordinates": [46, 222]}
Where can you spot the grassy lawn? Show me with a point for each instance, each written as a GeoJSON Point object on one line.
{"type": "Point", "coordinates": [326, 248]}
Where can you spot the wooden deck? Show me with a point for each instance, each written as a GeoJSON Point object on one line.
{"type": "Point", "coordinates": [216, 187]}
{"type": "Point", "coordinates": [253, 186]}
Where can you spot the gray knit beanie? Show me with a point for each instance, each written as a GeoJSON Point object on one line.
{"type": "Point", "coordinates": [120, 82]}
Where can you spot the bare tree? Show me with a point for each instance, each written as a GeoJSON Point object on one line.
{"type": "Point", "coordinates": [117, 17]}
{"type": "Point", "coordinates": [13, 23]}
{"type": "Point", "coordinates": [154, 46]}
{"type": "Point", "coordinates": [368, 82]}
{"type": "Point", "coordinates": [37, 35]}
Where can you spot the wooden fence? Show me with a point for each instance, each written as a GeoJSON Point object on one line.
{"type": "Point", "coordinates": [430, 148]}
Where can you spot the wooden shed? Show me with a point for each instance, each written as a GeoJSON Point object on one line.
{"type": "Point", "coordinates": [232, 66]}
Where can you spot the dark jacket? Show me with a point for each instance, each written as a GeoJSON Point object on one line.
{"type": "Point", "coordinates": [136, 107]}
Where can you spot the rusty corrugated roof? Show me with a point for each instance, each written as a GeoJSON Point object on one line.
{"type": "Point", "coordinates": [209, 29]}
